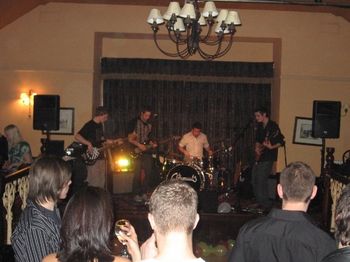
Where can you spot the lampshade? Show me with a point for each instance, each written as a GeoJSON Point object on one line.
{"type": "Point", "coordinates": [202, 21]}
{"type": "Point", "coordinates": [155, 16]}
{"type": "Point", "coordinates": [233, 17]}
{"type": "Point", "coordinates": [222, 16]}
{"type": "Point", "coordinates": [173, 8]}
{"type": "Point", "coordinates": [179, 25]}
{"type": "Point", "coordinates": [188, 10]}
{"type": "Point", "coordinates": [210, 8]}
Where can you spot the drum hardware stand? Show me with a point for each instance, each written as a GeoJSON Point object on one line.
{"type": "Point", "coordinates": [237, 206]}
{"type": "Point", "coordinates": [233, 145]}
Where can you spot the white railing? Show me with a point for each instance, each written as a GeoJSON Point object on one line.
{"type": "Point", "coordinates": [16, 184]}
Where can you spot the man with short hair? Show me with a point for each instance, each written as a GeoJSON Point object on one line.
{"type": "Point", "coordinates": [92, 135]}
{"type": "Point", "coordinates": [173, 217]}
{"type": "Point", "coordinates": [140, 136]}
{"type": "Point", "coordinates": [37, 232]}
{"type": "Point", "coordinates": [192, 143]}
{"type": "Point", "coordinates": [268, 138]}
{"type": "Point", "coordinates": [342, 229]}
{"type": "Point", "coordinates": [286, 235]}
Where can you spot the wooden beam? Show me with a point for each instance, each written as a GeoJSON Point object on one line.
{"type": "Point", "coordinates": [12, 10]}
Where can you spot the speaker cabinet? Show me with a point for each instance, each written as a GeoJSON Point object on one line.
{"type": "Point", "coordinates": [326, 119]}
{"type": "Point", "coordinates": [208, 201]}
{"type": "Point", "coordinates": [46, 112]}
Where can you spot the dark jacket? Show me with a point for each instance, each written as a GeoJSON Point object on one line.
{"type": "Point", "coordinates": [339, 255]}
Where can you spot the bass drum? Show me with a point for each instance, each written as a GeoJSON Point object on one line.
{"type": "Point", "coordinates": [191, 174]}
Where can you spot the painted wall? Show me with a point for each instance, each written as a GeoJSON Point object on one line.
{"type": "Point", "coordinates": [50, 50]}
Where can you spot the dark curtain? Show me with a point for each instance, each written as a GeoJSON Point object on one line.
{"type": "Point", "coordinates": [220, 95]}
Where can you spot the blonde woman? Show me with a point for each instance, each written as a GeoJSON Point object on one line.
{"type": "Point", "coordinates": [19, 152]}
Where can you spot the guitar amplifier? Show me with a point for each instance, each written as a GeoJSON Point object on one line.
{"type": "Point", "coordinates": [122, 182]}
{"type": "Point", "coordinates": [54, 147]}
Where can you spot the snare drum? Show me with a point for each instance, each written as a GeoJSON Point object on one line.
{"type": "Point", "coordinates": [191, 174]}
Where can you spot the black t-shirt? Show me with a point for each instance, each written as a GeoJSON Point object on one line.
{"type": "Point", "coordinates": [273, 133]}
{"type": "Point", "coordinates": [93, 132]}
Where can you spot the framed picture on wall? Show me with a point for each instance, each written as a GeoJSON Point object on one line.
{"type": "Point", "coordinates": [66, 122]}
{"type": "Point", "coordinates": [302, 132]}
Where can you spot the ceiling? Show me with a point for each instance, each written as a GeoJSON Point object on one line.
{"type": "Point", "coordinates": [10, 10]}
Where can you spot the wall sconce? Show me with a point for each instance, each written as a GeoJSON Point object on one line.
{"type": "Point", "coordinates": [27, 99]}
{"type": "Point", "coordinates": [344, 109]}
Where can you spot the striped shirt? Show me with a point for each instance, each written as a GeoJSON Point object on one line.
{"type": "Point", "coordinates": [142, 130]}
{"type": "Point", "coordinates": [37, 233]}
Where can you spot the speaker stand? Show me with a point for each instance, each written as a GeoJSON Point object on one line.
{"type": "Point", "coordinates": [323, 151]}
{"type": "Point", "coordinates": [44, 142]}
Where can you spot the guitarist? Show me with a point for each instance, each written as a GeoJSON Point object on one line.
{"type": "Point", "coordinates": [139, 135]}
{"type": "Point", "coordinates": [91, 135]}
{"type": "Point", "coordinates": [267, 141]}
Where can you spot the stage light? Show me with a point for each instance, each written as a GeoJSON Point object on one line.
{"type": "Point", "coordinates": [123, 163]}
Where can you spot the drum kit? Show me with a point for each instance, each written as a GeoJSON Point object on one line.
{"type": "Point", "coordinates": [202, 174]}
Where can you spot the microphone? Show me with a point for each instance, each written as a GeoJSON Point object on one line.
{"type": "Point", "coordinates": [155, 115]}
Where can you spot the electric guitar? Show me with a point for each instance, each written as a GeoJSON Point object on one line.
{"type": "Point", "coordinates": [90, 157]}
{"type": "Point", "coordinates": [260, 147]}
{"type": "Point", "coordinates": [137, 152]}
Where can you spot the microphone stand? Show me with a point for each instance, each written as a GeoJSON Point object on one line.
{"type": "Point", "coordinates": [241, 134]}
{"type": "Point", "coordinates": [237, 206]}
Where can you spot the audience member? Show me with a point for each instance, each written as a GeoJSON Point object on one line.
{"type": "Point", "coordinates": [342, 229]}
{"type": "Point", "coordinates": [173, 217]}
{"type": "Point", "coordinates": [286, 235]}
{"type": "Point", "coordinates": [19, 152]}
{"type": "Point", "coordinates": [86, 227]}
{"type": "Point", "coordinates": [3, 150]}
{"type": "Point", "coordinates": [37, 232]}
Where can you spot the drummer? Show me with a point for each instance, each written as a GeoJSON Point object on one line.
{"type": "Point", "coordinates": [192, 144]}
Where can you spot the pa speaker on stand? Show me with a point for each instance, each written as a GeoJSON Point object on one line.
{"type": "Point", "coordinates": [46, 112]}
{"type": "Point", "coordinates": [326, 119]}
{"type": "Point", "coordinates": [325, 123]}
{"type": "Point", "coordinates": [46, 116]}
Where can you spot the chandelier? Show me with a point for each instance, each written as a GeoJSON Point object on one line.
{"type": "Point", "coordinates": [185, 28]}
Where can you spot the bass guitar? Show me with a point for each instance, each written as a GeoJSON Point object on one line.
{"type": "Point", "coordinates": [90, 156]}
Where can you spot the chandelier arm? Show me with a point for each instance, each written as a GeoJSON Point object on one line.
{"type": "Point", "coordinates": [228, 47]}
{"type": "Point", "coordinates": [204, 38]}
{"type": "Point", "coordinates": [207, 56]}
{"type": "Point", "coordinates": [219, 39]}
{"type": "Point", "coordinates": [184, 54]}
{"type": "Point", "coordinates": [223, 52]}
{"type": "Point", "coordinates": [218, 52]}
{"type": "Point", "coordinates": [213, 42]}
{"type": "Point", "coordinates": [172, 36]}
{"type": "Point", "coordinates": [160, 49]}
